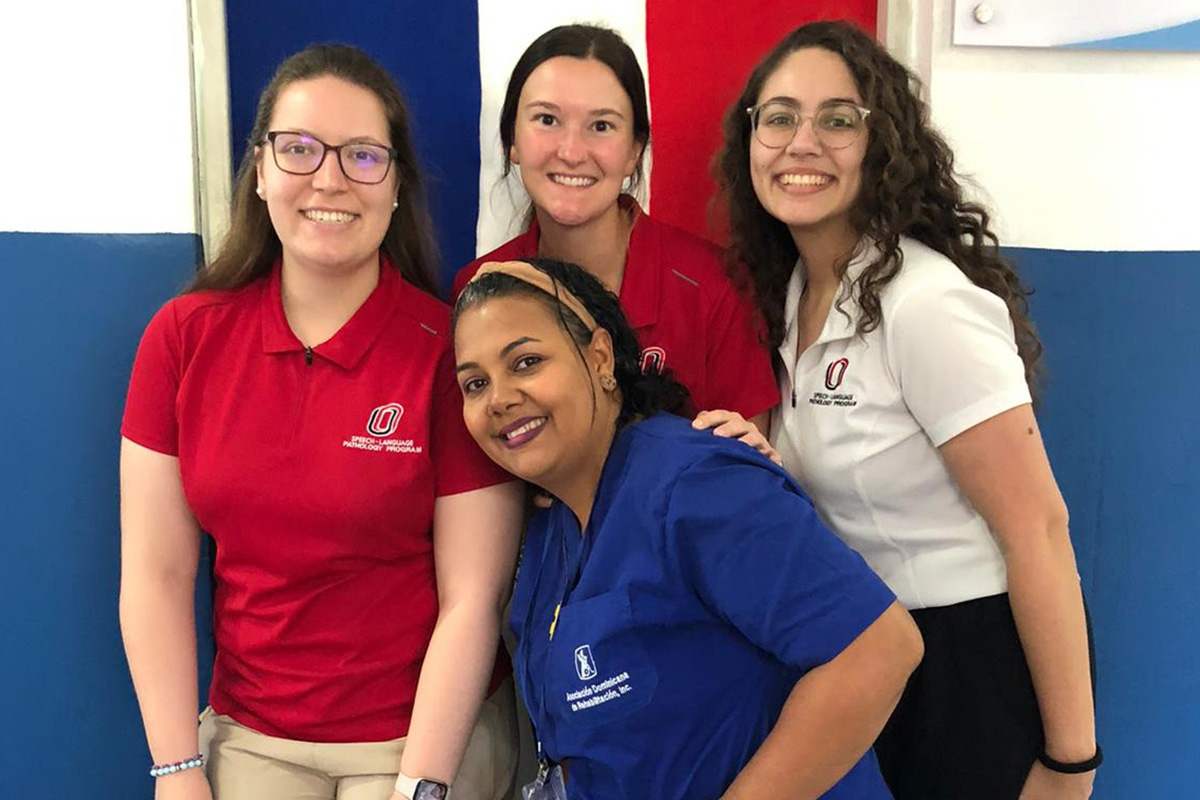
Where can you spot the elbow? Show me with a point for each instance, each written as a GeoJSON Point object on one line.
{"type": "Point", "coordinates": [912, 648]}
{"type": "Point", "coordinates": [905, 646]}
{"type": "Point", "coordinates": [471, 610]}
{"type": "Point", "coordinates": [144, 590]}
{"type": "Point", "coordinates": [1041, 539]}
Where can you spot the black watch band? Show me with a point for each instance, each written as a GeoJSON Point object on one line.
{"type": "Point", "coordinates": [1072, 767]}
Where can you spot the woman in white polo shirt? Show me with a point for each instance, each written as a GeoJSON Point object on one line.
{"type": "Point", "coordinates": [905, 354]}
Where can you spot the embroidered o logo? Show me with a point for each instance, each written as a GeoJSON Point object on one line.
{"type": "Point", "coordinates": [384, 420]}
{"type": "Point", "coordinates": [835, 372]}
{"type": "Point", "coordinates": [585, 665]}
{"type": "Point", "coordinates": [654, 359]}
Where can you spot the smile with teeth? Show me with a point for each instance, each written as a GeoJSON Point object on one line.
{"type": "Point", "coordinates": [792, 179]}
{"type": "Point", "coordinates": [532, 425]}
{"type": "Point", "coordinates": [578, 181]}
{"type": "Point", "coordinates": [329, 217]}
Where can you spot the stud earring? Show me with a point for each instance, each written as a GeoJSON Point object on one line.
{"type": "Point", "coordinates": [259, 191]}
{"type": "Point", "coordinates": [395, 204]}
{"type": "Point", "coordinates": [608, 382]}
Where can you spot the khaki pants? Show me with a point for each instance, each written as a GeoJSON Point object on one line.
{"type": "Point", "coordinates": [246, 765]}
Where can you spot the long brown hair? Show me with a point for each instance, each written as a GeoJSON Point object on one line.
{"type": "Point", "coordinates": [252, 246]}
{"type": "Point", "coordinates": [909, 188]}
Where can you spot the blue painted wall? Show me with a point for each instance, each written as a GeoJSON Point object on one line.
{"type": "Point", "coordinates": [1121, 419]}
{"type": "Point", "coordinates": [72, 309]}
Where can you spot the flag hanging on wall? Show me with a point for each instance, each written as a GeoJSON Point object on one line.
{"type": "Point", "coordinates": [452, 59]}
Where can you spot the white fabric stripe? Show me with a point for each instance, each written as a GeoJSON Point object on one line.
{"type": "Point", "coordinates": [97, 133]}
{"type": "Point", "coordinates": [506, 28]}
{"type": "Point", "coordinates": [1074, 150]}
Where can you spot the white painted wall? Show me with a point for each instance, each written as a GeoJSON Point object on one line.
{"type": "Point", "coordinates": [1074, 150]}
{"type": "Point", "coordinates": [1059, 22]}
{"type": "Point", "coordinates": [97, 117]}
{"type": "Point", "coordinates": [503, 36]}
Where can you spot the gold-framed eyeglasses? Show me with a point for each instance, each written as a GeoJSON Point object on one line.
{"type": "Point", "coordinates": [299, 153]}
{"type": "Point", "coordinates": [836, 124]}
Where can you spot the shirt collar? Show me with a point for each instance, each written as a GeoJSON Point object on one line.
{"type": "Point", "coordinates": [642, 280]}
{"type": "Point", "coordinates": [526, 244]}
{"type": "Point", "coordinates": [842, 322]}
{"type": "Point", "coordinates": [346, 347]}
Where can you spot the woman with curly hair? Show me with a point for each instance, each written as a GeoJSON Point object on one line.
{"type": "Point", "coordinates": [905, 355]}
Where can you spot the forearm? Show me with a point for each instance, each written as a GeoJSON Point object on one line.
{"type": "Point", "coordinates": [1047, 606]}
{"type": "Point", "coordinates": [833, 715]}
{"type": "Point", "coordinates": [159, 631]}
{"type": "Point", "coordinates": [453, 684]}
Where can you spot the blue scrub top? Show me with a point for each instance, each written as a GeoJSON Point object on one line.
{"type": "Point", "coordinates": [703, 588]}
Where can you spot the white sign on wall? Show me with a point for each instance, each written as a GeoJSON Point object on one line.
{"type": "Point", "coordinates": [1082, 24]}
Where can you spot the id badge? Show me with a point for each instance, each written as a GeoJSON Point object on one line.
{"type": "Point", "coordinates": [548, 785]}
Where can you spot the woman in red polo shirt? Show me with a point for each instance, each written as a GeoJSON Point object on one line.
{"type": "Point", "coordinates": [299, 404]}
{"type": "Point", "coordinates": [575, 120]}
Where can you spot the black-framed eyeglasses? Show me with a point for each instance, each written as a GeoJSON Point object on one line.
{"type": "Point", "coordinates": [836, 125]}
{"type": "Point", "coordinates": [301, 154]}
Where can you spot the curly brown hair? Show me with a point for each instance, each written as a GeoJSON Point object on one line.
{"type": "Point", "coordinates": [909, 188]}
{"type": "Point", "coordinates": [252, 246]}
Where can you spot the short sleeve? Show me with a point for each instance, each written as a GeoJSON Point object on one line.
{"type": "Point", "coordinates": [459, 465]}
{"type": "Point", "coordinates": [954, 355]}
{"type": "Point", "coordinates": [150, 405]}
{"type": "Point", "coordinates": [755, 551]}
{"type": "Point", "coordinates": [738, 364]}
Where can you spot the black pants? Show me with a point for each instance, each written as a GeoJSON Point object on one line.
{"type": "Point", "coordinates": [967, 726]}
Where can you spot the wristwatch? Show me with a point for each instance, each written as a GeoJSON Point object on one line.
{"type": "Point", "coordinates": [421, 788]}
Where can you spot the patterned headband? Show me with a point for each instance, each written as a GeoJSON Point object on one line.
{"type": "Point", "coordinates": [530, 274]}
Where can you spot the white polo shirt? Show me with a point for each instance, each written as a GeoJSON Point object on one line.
{"type": "Point", "coordinates": [862, 417]}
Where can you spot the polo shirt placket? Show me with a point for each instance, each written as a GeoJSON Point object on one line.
{"type": "Point", "coordinates": [867, 412]}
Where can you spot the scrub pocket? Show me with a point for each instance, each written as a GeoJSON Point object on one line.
{"type": "Point", "coordinates": [598, 669]}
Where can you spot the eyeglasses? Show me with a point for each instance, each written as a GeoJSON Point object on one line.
{"type": "Point", "coordinates": [301, 154]}
{"type": "Point", "coordinates": [836, 125]}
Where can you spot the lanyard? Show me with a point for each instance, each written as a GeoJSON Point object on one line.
{"type": "Point", "coordinates": [570, 575]}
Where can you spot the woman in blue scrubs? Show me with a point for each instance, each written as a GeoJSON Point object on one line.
{"type": "Point", "coordinates": [686, 626]}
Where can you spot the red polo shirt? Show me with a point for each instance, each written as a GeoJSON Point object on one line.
{"type": "Point", "coordinates": [688, 316]}
{"type": "Point", "coordinates": [316, 473]}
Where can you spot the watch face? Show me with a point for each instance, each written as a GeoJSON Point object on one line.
{"type": "Point", "coordinates": [431, 790]}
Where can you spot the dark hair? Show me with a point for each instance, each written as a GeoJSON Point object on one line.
{"type": "Point", "coordinates": [580, 41]}
{"type": "Point", "coordinates": [252, 246]}
{"type": "Point", "coordinates": [909, 188]}
{"type": "Point", "coordinates": [642, 394]}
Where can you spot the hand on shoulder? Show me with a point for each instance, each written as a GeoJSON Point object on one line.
{"type": "Point", "coordinates": [732, 425]}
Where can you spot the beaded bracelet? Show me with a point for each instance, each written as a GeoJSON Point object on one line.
{"type": "Point", "coordinates": [158, 770]}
